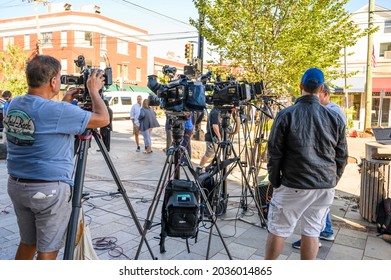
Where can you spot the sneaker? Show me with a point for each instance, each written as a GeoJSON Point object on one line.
{"type": "Point", "coordinates": [138, 149]}
{"type": "Point", "coordinates": [198, 170]}
{"type": "Point", "coordinates": [328, 237]}
{"type": "Point", "coordinates": [297, 244]}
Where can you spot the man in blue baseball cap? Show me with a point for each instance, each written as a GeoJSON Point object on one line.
{"type": "Point", "coordinates": [307, 154]}
{"type": "Point", "coordinates": [313, 77]}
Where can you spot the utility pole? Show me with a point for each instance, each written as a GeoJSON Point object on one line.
{"type": "Point", "coordinates": [345, 81]}
{"type": "Point", "coordinates": [199, 135]}
{"type": "Point", "coordinates": [368, 84]}
{"type": "Point", "coordinates": [200, 54]}
{"type": "Point", "coordinates": [36, 2]}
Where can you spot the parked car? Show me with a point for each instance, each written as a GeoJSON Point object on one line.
{"type": "Point", "coordinates": [121, 102]}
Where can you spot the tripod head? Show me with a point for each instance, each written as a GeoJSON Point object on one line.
{"type": "Point", "coordinates": [225, 120]}
{"type": "Point", "coordinates": [177, 123]}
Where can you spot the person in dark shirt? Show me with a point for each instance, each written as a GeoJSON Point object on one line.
{"type": "Point", "coordinates": [212, 137]}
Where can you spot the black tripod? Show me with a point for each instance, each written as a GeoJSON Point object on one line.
{"type": "Point", "coordinates": [222, 161]}
{"type": "Point", "coordinates": [81, 163]}
{"type": "Point", "coordinates": [177, 156]}
{"type": "Point", "coordinates": [255, 134]}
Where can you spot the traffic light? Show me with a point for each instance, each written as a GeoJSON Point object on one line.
{"type": "Point", "coordinates": [189, 50]}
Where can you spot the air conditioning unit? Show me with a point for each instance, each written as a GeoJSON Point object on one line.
{"type": "Point", "coordinates": [387, 54]}
{"type": "Point", "coordinates": [90, 9]}
{"type": "Point", "coordinates": [59, 7]}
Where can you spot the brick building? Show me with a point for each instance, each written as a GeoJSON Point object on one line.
{"type": "Point", "coordinates": [65, 34]}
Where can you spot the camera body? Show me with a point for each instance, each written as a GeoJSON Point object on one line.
{"type": "Point", "coordinates": [178, 96]}
{"type": "Point", "coordinates": [81, 81]}
{"type": "Point", "coordinates": [231, 93]}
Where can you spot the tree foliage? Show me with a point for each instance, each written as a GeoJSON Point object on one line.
{"type": "Point", "coordinates": [277, 40]}
{"type": "Point", "coordinates": [12, 70]}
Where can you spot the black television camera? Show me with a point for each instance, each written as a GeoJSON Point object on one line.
{"type": "Point", "coordinates": [230, 93]}
{"type": "Point", "coordinates": [81, 80]}
{"type": "Point", "coordinates": [178, 96]}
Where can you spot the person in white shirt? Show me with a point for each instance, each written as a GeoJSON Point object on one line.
{"type": "Point", "coordinates": [134, 114]}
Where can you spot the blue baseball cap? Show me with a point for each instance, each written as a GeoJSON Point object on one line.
{"type": "Point", "coordinates": [313, 77]}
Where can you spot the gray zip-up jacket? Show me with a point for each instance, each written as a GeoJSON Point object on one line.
{"type": "Point", "coordinates": [307, 146]}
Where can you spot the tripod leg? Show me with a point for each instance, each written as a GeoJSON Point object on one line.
{"type": "Point", "coordinates": [209, 207]}
{"type": "Point", "coordinates": [259, 208]}
{"type": "Point", "coordinates": [81, 161]}
{"type": "Point", "coordinates": [165, 175]}
{"type": "Point", "coordinates": [121, 188]}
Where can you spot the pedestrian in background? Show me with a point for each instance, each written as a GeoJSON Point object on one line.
{"type": "Point", "coordinates": [307, 154]}
{"type": "Point", "coordinates": [148, 121]}
{"type": "Point", "coordinates": [40, 159]}
{"type": "Point", "coordinates": [134, 115]}
{"type": "Point", "coordinates": [212, 137]}
{"type": "Point", "coordinates": [186, 141]}
{"type": "Point", "coordinates": [7, 96]}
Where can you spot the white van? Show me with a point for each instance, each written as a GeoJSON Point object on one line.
{"type": "Point", "coordinates": [121, 101]}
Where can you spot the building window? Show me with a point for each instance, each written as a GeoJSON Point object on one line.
{"type": "Point", "coordinates": [103, 42]}
{"type": "Point", "coordinates": [387, 26]}
{"type": "Point", "coordinates": [122, 72]}
{"type": "Point", "coordinates": [47, 39]}
{"type": "Point", "coordinates": [138, 74]}
{"type": "Point", "coordinates": [122, 46]}
{"type": "Point", "coordinates": [385, 50]}
{"type": "Point", "coordinates": [64, 37]}
{"type": "Point", "coordinates": [138, 51]}
{"type": "Point", "coordinates": [64, 66]}
{"type": "Point", "coordinates": [102, 65]}
{"type": "Point", "coordinates": [8, 40]}
{"type": "Point", "coordinates": [27, 41]}
{"type": "Point", "coordinates": [83, 38]}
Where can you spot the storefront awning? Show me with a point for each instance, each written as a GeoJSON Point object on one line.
{"type": "Point", "coordinates": [353, 84]}
{"type": "Point", "coordinates": [381, 83]}
{"type": "Point", "coordinates": [115, 87]}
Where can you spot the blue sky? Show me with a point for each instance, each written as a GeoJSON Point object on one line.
{"type": "Point", "coordinates": [156, 16]}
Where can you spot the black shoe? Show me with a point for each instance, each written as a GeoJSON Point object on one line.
{"type": "Point", "coordinates": [198, 170]}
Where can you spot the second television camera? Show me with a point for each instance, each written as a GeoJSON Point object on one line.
{"type": "Point", "coordinates": [177, 96]}
{"type": "Point", "coordinates": [231, 93]}
{"type": "Point", "coordinates": [81, 80]}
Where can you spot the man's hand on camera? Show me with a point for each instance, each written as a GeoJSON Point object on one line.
{"type": "Point", "coordinates": [71, 94]}
{"type": "Point", "coordinates": [95, 81]}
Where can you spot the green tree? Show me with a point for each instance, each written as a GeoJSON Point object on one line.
{"type": "Point", "coordinates": [277, 40]}
{"type": "Point", "coordinates": [12, 69]}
